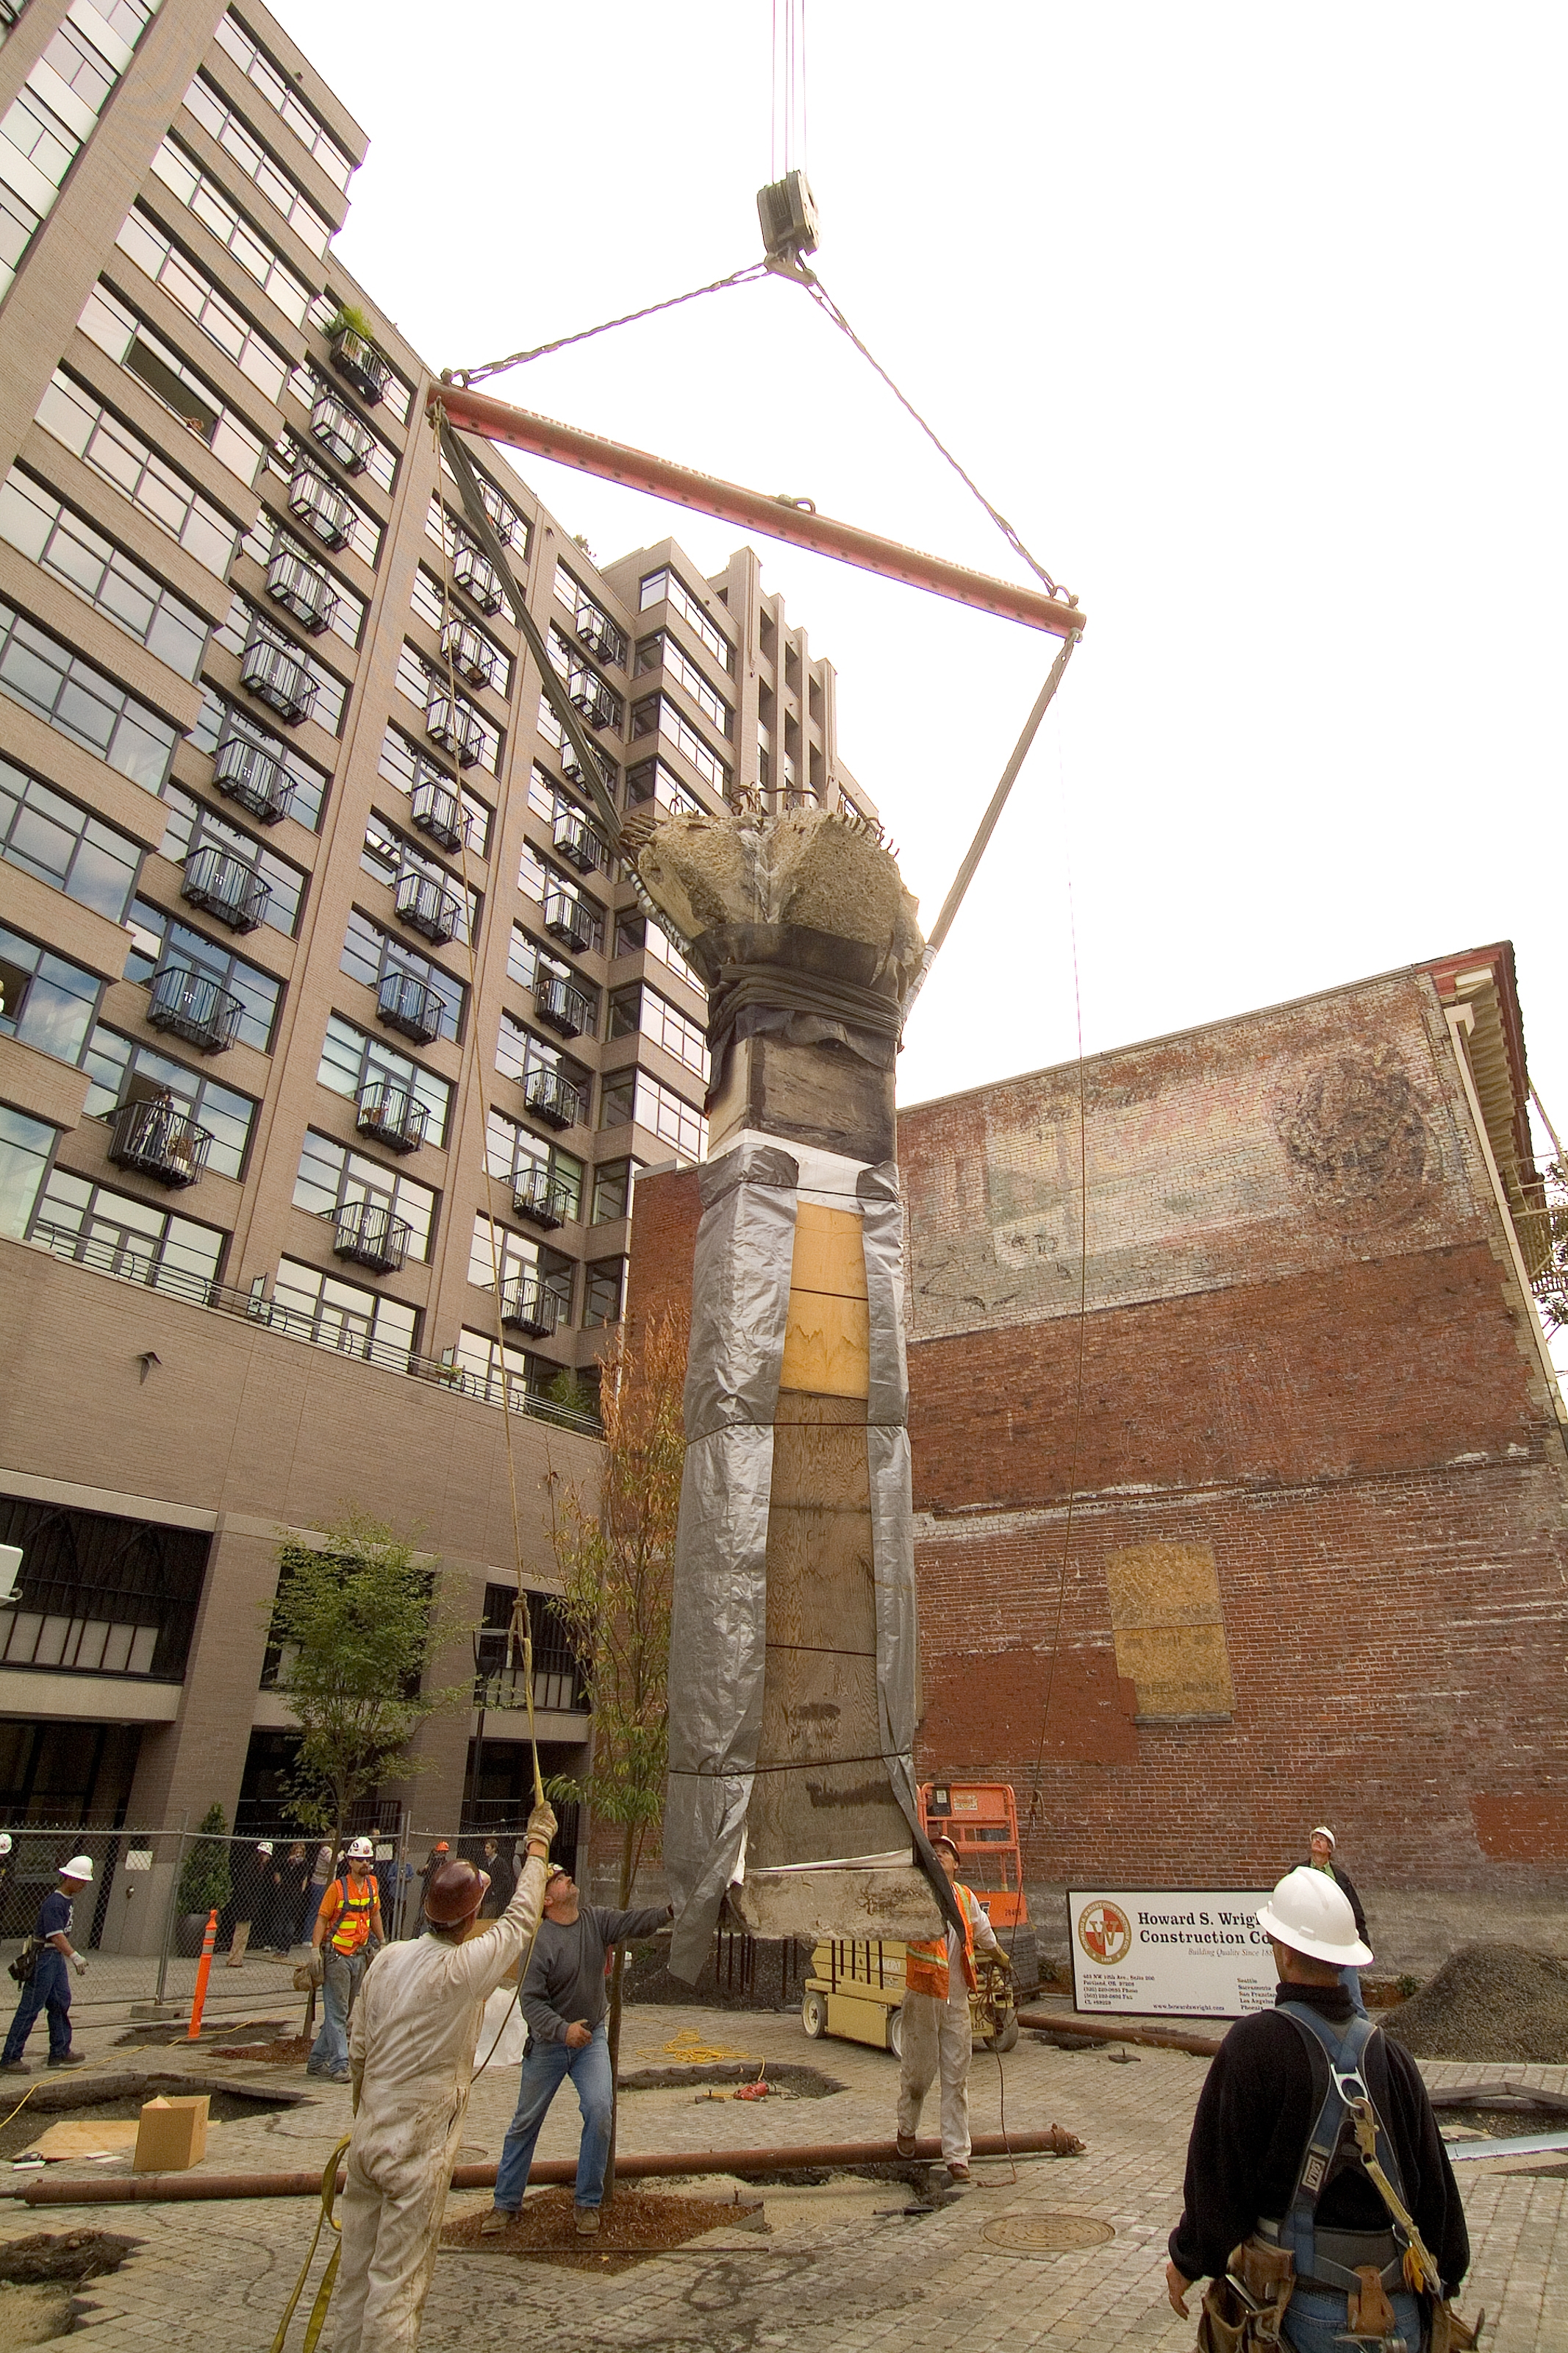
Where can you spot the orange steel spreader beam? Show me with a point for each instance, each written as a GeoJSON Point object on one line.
{"type": "Point", "coordinates": [773, 518]}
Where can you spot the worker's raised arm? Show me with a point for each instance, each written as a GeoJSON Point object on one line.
{"type": "Point", "coordinates": [483, 1961]}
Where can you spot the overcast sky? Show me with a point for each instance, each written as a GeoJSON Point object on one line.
{"type": "Point", "coordinates": [1249, 317]}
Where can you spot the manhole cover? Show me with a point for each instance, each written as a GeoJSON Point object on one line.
{"type": "Point", "coordinates": [1047, 2235]}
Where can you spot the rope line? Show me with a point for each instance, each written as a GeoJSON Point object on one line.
{"type": "Point", "coordinates": [469, 376]}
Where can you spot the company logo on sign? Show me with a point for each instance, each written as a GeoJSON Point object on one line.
{"type": "Point", "coordinates": [1105, 1932]}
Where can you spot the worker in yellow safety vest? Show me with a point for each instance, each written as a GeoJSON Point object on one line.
{"type": "Point", "coordinates": [938, 2037]}
{"type": "Point", "coordinates": [346, 1926]}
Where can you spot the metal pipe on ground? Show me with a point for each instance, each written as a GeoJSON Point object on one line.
{"type": "Point", "coordinates": [165, 2188]}
{"type": "Point", "coordinates": [1089, 2029]}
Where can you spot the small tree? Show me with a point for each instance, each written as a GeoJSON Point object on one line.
{"type": "Point", "coordinates": [356, 1625]}
{"type": "Point", "coordinates": [614, 1542]}
{"type": "Point", "coordinates": [204, 1880]}
{"type": "Point", "coordinates": [1546, 1228]}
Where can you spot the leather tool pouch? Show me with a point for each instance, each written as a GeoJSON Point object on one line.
{"type": "Point", "coordinates": [1449, 2334]}
{"type": "Point", "coordinates": [1237, 2320]}
{"type": "Point", "coordinates": [1371, 2312]}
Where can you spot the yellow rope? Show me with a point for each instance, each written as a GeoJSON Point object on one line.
{"type": "Point", "coordinates": [19, 2106]}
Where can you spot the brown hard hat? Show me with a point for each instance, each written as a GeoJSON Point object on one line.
{"type": "Point", "coordinates": [455, 1892]}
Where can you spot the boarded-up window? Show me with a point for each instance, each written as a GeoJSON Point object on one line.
{"type": "Point", "coordinates": [1169, 1632]}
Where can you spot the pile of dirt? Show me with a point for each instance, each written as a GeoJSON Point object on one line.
{"type": "Point", "coordinates": [1489, 2001]}
{"type": "Point", "coordinates": [71, 2255]}
{"type": "Point", "coordinates": [286, 2050]}
{"type": "Point", "coordinates": [637, 2223]}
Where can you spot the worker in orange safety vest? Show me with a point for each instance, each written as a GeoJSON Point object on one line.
{"type": "Point", "coordinates": [938, 2036]}
{"type": "Point", "coordinates": [347, 1925]}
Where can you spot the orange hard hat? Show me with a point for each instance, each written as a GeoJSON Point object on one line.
{"type": "Point", "coordinates": [455, 1893]}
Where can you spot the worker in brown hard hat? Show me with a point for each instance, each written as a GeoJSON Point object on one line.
{"type": "Point", "coordinates": [411, 2057]}
{"type": "Point", "coordinates": [938, 2035]}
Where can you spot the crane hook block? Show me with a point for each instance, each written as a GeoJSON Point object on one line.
{"type": "Point", "coordinates": [787, 211]}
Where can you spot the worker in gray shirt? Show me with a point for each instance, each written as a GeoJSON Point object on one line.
{"type": "Point", "coordinates": [564, 2002]}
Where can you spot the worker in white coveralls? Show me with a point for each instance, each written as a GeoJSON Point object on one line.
{"type": "Point", "coordinates": [411, 2055]}
{"type": "Point", "coordinates": [939, 1978]}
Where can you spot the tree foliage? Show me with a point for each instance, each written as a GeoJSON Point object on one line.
{"type": "Point", "coordinates": [205, 1880]}
{"type": "Point", "coordinates": [1547, 1230]}
{"type": "Point", "coordinates": [356, 1625]}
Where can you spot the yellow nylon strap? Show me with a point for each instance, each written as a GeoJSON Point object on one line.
{"type": "Point", "coordinates": [329, 2278]}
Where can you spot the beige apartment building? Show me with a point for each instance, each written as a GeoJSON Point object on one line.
{"type": "Point", "coordinates": [333, 1041]}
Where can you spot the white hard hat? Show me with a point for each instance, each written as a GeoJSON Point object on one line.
{"type": "Point", "coordinates": [264, 1846]}
{"type": "Point", "coordinates": [361, 1849]}
{"type": "Point", "coordinates": [1321, 1829]}
{"type": "Point", "coordinates": [78, 1867]}
{"type": "Point", "coordinates": [5, 1842]}
{"type": "Point", "coordinates": [1312, 1914]}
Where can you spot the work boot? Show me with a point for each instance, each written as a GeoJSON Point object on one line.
{"type": "Point", "coordinates": [500, 2218]}
{"type": "Point", "coordinates": [69, 2059]}
{"type": "Point", "coordinates": [905, 2144]}
{"type": "Point", "coordinates": [957, 2170]}
{"type": "Point", "coordinates": [587, 2221]}
{"type": "Point", "coordinates": [15, 2067]}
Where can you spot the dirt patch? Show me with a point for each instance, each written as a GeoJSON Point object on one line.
{"type": "Point", "coordinates": [34, 2316]}
{"type": "Point", "coordinates": [1489, 2001]}
{"type": "Point", "coordinates": [163, 2038]}
{"type": "Point", "coordinates": [806, 2082]}
{"type": "Point", "coordinates": [637, 2223]}
{"type": "Point", "coordinates": [1502, 2123]}
{"type": "Point", "coordinates": [287, 2051]}
{"type": "Point", "coordinates": [68, 2255]}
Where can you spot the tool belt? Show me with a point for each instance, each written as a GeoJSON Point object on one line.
{"type": "Point", "coordinates": [1348, 2251]}
{"type": "Point", "coordinates": [1243, 2310]}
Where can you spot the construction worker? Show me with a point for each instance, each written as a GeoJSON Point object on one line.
{"type": "Point", "coordinates": [347, 1923]}
{"type": "Point", "coordinates": [938, 2036]}
{"type": "Point", "coordinates": [1278, 2189]}
{"type": "Point", "coordinates": [49, 1985]}
{"type": "Point", "coordinates": [1320, 1846]}
{"type": "Point", "coordinates": [411, 2054]}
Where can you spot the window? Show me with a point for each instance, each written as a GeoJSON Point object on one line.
{"type": "Point", "coordinates": [223, 722]}
{"type": "Point", "coordinates": [36, 524]}
{"type": "Point", "coordinates": [25, 1148]}
{"type": "Point", "coordinates": [522, 1056]}
{"type": "Point", "coordinates": [502, 1374]}
{"type": "Point", "coordinates": [510, 528]}
{"type": "Point", "coordinates": [635, 932]}
{"type": "Point", "coordinates": [194, 825]}
{"type": "Point", "coordinates": [370, 954]}
{"type": "Point", "coordinates": [311, 1305]}
{"type": "Point", "coordinates": [521, 1259]}
{"type": "Point", "coordinates": [598, 703]}
{"type": "Point", "coordinates": [471, 733]}
{"type": "Point", "coordinates": [248, 626]}
{"type": "Point", "coordinates": [158, 940]}
{"type": "Point", "coordinates": [554, 734]}
{"type": "Point", "coordinates": [339, 428]}
{"type": "Point", "coordinates": [512, 1155]}
{"type": "Point", "coordinates": [1169, 1626]}
{"type": "Point", "coordinates": [590, 620]}
{"type": "Point", "coordinates": [279, 93]}
{"type": "Point", "coordinates": [533, 967]}
{"type": "Point", "coordinates": [390, 859]}
{"type": "Point", "coordinates": [551, 887]}
{"type": "Point", "coordinates": [77, 701]}
{"type": "Point", "coordinates": [658, 715]}
{"type": "Point", "coordinates": [613, 1185]}
{"type": "Point", "coordinates": [332, 1178]}
{"type": "Point", "coordinates": [643, 1009]}
{"type": "Point", "coordinates": [120, 1235]}
{"type": "Point", "coordinates": [662, 652]}
{"type": "Point", "coordinates": [49, 835]}
{"type": "Point", "coordinates": [667, 587]}
{"type": "Point", "coordinates": [143, 242]}
{"type": "Point", "coordinates": [221, 123]}
{"type": "Point", "coordinates": [634, 1097]}
{"type": "Point", "coordinates": [267, 538]}
{"type": "Point", "coordinates": [229, 1117]}
{"type": "Point", "coordinates": [323, 508]}
{"type": "Point", "coordinates": [602, 1283]}
{"type": "Point", "coordinates": [18, 222]}
{"type": "Point", "coordinates": [51, 116]}
{"type": "Point", "coordinates": [89, 431]}
{"type": "Point", "coordinates": [47, 1002]}
{"type": "Point", "coordinates": [406, 767]}
{"type": "Point", "coordinates": [650, 780]}
{"type": "Point", "coordinates": [116, 328]}
{"type": "Point", "coordinates": [351, 1060]}
{"type": "Point", "coordinates": [190, 185]}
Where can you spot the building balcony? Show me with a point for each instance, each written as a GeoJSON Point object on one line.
{"type": "Point", "coordinates": [568, 920]}
{"type": "Point", "coordinates": [528, 1307]}
{"type": "Point", "coordinates": [158, 1141]}
{"type": "Point", "coordinates": [410, 1006]}
{"type": "Point", "coordinates": [576, 841]}
{"type": "Point", "coordinates": [569, 1011]}
{"type": "Point", "coordinates": [315, 503]}
{"type": "Point", "coordinates": [392, 1117]}
{"type": "Point", "coordinates": [358, 361]}
{"type": "Point", "coordinates": [437, 811]}
{"type": "Point", "coordinates": [278, 679]}
{"type": "Point", "coordinates": [596, 703]}
{"type": "Point", "coordinates": [507, 525]}
{"type": "Point", "coordinates": [424, 902]}
{"type": "Point", "coordinates": [601, 637]}
{"type": "Point", "coordinates": [303, 590]}
{"type": "Point", "coordinates": [469, 653]}
{"type": "Point", "coordinates": [225, 887]}
{"type": "Point", "coordinates": [537, 1197]}
{"type": "Point", "coordinates": [455, 729]}
{"type": "Point", "coordinates": [257, 780]}
{"type": "Point", "coordinates": [478, 578]}
{"type": "Point", "coordinates": [189, 1004]}
{"type": "Point", "coordinates": [551, 1098]}
{"type": "Point", "coordinates": [368, 1234]}
{"type": "Point", "coordinates": [341, 433]}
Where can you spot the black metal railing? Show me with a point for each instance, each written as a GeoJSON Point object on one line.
{"type": "Point", "coordinates": [160, 1142]}
{"type": "Point", "coordinates": [277, 678]}
{"type": "Point", "coordinates": [411, 1007]}
{"type": "Point", "coordinates": [601, 637]}
{"type": "Point", "coordinates": [528, 1306]}
{"type": "Point", "coordinates": [136, 1265]}
{"type": "Point", "coordinates": [367, 1233]}
{"type": "Point", "coordinates": [391, 1115]}
{"type": "Point", "coordinates": [568, 920]}
{"type": "Point", "coordinates": [341, 433]}
{"type": "Point", "coordinates": [357, 359]}
{"type": "Point", "coordinates": [576, 841]}
{"type": "Point", "coordinates": [596, 703]}
{"type": "Point", "coordinates": [536, 1195]}
{"type": "Point", "coordinates": [437, 811]}
{"type": "Point", "coordinates": [318, 506]}
{"type": "Point", "coordinates": [257, 780]}
{"type": "Point", "coordinates": [569, 1011]}
{"type": "Point", "coordinates": [452, 726]}
{"type": "Point", "coordinates": [424, 902]}
{"type": "Point", "coordinates": [477, 576]}
{"type": "Point", "coordinates": [303, 590]}
{"type": "Point", "coordinates": [225, 887]}
{"type": "Point", "coordinates": [552, 1098]}
{"type": "Point", "coordinates": [191, 1005]}
{"type": "Point", "coordinates": [469, 653]}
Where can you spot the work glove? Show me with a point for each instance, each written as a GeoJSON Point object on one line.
{"type": "Point", "coordinates": [1003, 1963]}
{"type": "Point", "coordinates": [541, 1823]}
{"type": "Point", "coordinates": [318, 1968]}
{"type": "Point", "coordinates": [78, 1963]}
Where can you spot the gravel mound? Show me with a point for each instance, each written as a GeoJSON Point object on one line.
{"type": "Point", "coordinates": [1489, 2001]}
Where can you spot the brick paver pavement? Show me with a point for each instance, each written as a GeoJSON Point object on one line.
{"type": "Point", "coordinates": [839, 2264]}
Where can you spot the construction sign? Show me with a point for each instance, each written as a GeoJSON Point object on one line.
{"type": "Point", "coordinates": [1163, 1952]}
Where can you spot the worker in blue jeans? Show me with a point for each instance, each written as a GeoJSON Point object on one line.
{"type": "Point", "coordinates": [49, 1987]}
{"type": "Point", "coordinates": [564, 2002]}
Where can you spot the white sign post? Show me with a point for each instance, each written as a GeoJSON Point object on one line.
{"type": "Point", "coordinates": [1163, 1952]}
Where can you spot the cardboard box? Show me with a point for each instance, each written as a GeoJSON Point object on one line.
{"type": "Point", "coordinates": [172, 2136]}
